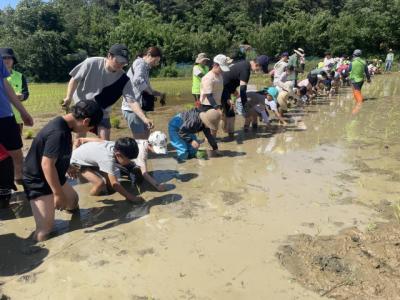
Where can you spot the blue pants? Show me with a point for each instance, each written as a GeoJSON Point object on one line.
{"type": "Point", "coordinates": [184, 150]}
{"type": "Point", "coordinates": [388, 65]}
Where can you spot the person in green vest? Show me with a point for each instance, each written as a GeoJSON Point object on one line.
{"type": "Point", "coordinates": [19, 84]}
{"type": "Point", "coordinates": [200, 69]}
{"type": "Point", "coordinates": [358, 72]}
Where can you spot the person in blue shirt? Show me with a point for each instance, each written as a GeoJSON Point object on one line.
{"type": "Point", "coordinates": [10, 136]}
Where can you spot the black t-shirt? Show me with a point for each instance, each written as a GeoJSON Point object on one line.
{"type": "Point", "coordinates": [53, 141]}
{"type": "Point", "coordinates": [239, 71]}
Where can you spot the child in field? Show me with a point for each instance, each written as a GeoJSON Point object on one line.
{"type": "Point", "coordinates": [183, 127]}
{"type": "Point", "coordinates": [99, 162]}
{"type": "Point", "coordinates": [157, 143]}
{"type": "Point", "coordinates": [48, 161]}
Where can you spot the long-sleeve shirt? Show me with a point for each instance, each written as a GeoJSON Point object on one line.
{"type": "Point", "coordinates": [192, 124]}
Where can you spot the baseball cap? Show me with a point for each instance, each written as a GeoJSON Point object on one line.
{"type": "Point", "coordinates": [357, 52]}
{"type": "Point", "coordinates": [120, 52]}
{"type": "Point", "coordinates": [158, 141]}
{"type": "Point", "coordinates": [284, 54]}
{"type": "Point", "coordinates": [8, 52]}
{"type": "Point", "coordinates": [201, 57]}
{"type": "Point", "coordinates": [263, 61]}
{"type": "Point", "coordinates": [223, 61]}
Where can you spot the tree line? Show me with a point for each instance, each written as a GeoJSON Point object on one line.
{"type": "Point", "coordinates": [50, 38]}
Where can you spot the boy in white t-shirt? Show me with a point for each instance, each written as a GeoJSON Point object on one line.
{"type": "Point", "coordinates": [157, 143]}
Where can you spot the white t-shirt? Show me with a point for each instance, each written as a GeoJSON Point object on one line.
{"type": "Point", "coordinates": [97, 154]}
{"type": "Point", "coordinates": [213, 84]}
{"type": "Point", "coordinates": [271, 104]}
{"type": "Point", "coordinates": [143, 153]}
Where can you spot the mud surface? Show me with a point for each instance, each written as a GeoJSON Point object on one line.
{"type": "Point", "coordinates": [329, 181]}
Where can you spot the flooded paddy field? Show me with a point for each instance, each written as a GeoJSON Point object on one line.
{"type": "Point", "coordinates": [296, 212]}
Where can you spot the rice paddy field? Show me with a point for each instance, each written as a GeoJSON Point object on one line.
{"type": "Point", "coordinates": [45, 98]}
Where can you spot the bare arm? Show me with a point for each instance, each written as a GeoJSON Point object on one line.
{"type": "Point", "coordinates": [138, 110]}
{"type": "Point", "coordinates": [120, 189]}
{"type": "Point", "coordinates": [50, 173]}
{"type": "Point", "coordinates": [72, 85]}
{"type": "Point", "coordinates": [81, 141]}
{"type": "Point", "coordinates": [151, 180]}
{"type": "Point", "coordinates": [26, 117]}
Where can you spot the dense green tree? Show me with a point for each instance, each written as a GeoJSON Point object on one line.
{"type": "Point", "coordinates": [50, 37]}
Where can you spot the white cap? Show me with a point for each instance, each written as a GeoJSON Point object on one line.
{"type": "Point", "coordinates": [223, 61]}
{"type": "Point", "coordinates": [158, 141]}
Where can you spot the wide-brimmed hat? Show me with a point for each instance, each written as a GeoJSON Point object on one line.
{"type": "Point", "coordinates": [211, 118]}
{"type": "Point", "coordinates": [158, 141]}
{"type": "Point", "coordinates": [299, 51]}
{"type": "Point", "coordinates": [8, 52]}
{"type": "Point", "coordinates": [223, 61]}
{"type": "Point", "coordinates": [201, 57]}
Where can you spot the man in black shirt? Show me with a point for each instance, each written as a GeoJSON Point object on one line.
{"type": "Point", "coordinates": [239, 75]}
{"type": "Point", "coordinates": [48, 161]}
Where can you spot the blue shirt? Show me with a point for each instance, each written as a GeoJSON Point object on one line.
{"type": "Point", "coordinates": [5, 106]}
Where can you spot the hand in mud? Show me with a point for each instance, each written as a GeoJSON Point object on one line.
{"type": "Point", "coordinates": [195, 144]}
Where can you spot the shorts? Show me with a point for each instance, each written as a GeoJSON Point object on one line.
{"type": "Point", "coordinates": [10, 135]}
{"type": "Point", "coordinates": [37, 188]}
{"type": "Point", "coordinates": [105, 123]}
{"type": "Point", "coordinates": [227, 110]}
{"type": "Point", "coordinates": [357, 85]}
{"type": "Point", "coordinates": [7, 174]}
{"type": "Point", "coordinates": [135, 123]}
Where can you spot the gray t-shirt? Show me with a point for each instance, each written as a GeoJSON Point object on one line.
{"type": "Point", "coordinates": [138, 74]}
{"type": "Point", "coordinates": [92, 77]}
{"type": "Point", "coordinates": [97, 154]}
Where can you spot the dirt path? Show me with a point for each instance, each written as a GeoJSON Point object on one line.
{"type": "Point", "coordinates": [222, 230]}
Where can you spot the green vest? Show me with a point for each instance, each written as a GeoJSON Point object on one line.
{"type": "Point", "coordinates": [197, 80]}
{"type": "Point", "coordinates": [15, 80]}
{"type": "Point", "coordinates": [357, 70]}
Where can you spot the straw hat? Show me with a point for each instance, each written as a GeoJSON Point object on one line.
{"type": "Point", "coordinates": [211, 118]}
{"type": "Point", "coordinates": [299, 51]}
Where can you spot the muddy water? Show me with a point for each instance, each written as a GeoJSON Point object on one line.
{"type": "Point", "coordinates": [216, 232]}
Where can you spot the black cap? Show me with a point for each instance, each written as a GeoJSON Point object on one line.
{"type": "Point", "coordinates": [8, 52]}
{"type": "Point", "coordinates": [121, 53]}
{"type": "Point", "coordinates": [263, 61]}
